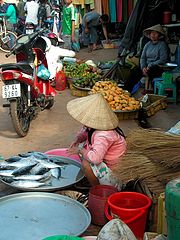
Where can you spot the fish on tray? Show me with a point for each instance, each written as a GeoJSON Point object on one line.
{"type": "Point", "coordinates": [31, 177]}
{"type": "Point", "coordinates": [31, 170]}
{"type": "Point", "coordinates": [28, 184]}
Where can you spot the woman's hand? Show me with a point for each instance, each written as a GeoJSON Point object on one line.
{"type": "Point", "coordinates": [73, 149]}
{"type": "Point", "coordinates": [145, 71]}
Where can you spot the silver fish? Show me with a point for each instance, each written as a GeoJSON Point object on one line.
{"type": "Point", "coordinates": [48, 164]}
{"type": "Point", "coordinates": [33, 177]}
{"type": "Point", "coordinates": [6, 173]}
{"type": "Point", "coordinates": [59, 160]}
{"type": "Point", "coordinates": [38, 155]}
{"type": "Point", "coordinates": [22, 170]}
{"type": "Point", "coordinates": [29, 161]}
{"type": "Point", "coordinates": [28, 184]}
{"type": "Point", "coordinates": [38, 169]}
{"type": "Point", "coordinates": [7, 179]}
{"type": "Point", "coordinates": [13, 159]}
{"type": "Point", "coordinates": [6, 167]}
{"type": "Point", "coordinates": [56, 172]}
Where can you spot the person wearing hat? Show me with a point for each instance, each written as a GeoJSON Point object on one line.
{"type": "Point", "coordinates": [155, 53]}
{"type": "Point", "coordinates": [103, 141]}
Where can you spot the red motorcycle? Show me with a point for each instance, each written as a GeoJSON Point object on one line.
{"type": "Point", "coordinates": [25, 92]}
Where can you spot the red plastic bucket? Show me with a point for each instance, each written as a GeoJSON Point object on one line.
{"type": "Point", "coordinates": [60, 81]}
{"type": "Point", "coordinates": [131, 208]}
{"type": "Point", "coordinates": [98, 196]}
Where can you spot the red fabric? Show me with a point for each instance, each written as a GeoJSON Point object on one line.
{"type": "Point", "coordinates": [130, 7]}
{"type": "Point", "coordinates": [119, 11]}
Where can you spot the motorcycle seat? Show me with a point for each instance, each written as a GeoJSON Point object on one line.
{"type": "Point", "coordinates": [23, 66]}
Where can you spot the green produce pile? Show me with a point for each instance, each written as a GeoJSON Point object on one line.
{"type": "Point", "coordinates": [76, 70]}
{"type": "Point", "coordinates": [82, 74]}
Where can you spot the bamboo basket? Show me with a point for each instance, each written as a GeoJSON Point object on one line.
{"type": "Point", "coordinates": [79, 92]}
{"type": "Point", "coordinates": [69, 81]}
{"type": "Point", "coordinates": [153, 104]}
{"type": "Point", "coordinates": [127, 115]}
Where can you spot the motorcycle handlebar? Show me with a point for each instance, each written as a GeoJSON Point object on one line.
{"type": "Point", "coordinates": [32, 36]}
{"type": "Point", "coordinates": [35, 34]}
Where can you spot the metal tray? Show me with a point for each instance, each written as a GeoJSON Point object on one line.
{"type": "Point", "coordinates": [71, 174]}
{"type": "Point", "coordinates": [36, 215]}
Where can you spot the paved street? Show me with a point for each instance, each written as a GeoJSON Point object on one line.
{"type": "Point", "coordinates": [55, 128]}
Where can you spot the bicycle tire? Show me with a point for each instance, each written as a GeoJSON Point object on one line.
{"type": "Point", "coordinates": [6, 47]}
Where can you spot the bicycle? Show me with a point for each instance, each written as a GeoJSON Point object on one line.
{"type": "Point", "coordinates": [7, 38]}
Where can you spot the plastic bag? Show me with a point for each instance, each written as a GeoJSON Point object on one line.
{"type": "Point", "coordinates": [43, 72]}
{"type": "Point", "coordinates": [75, 46]}
{"type": "Point", "coordinates": [116, 230]}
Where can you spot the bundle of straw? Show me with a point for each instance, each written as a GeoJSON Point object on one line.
{"type": "Point", "coordinates": [158, 146]}
{"type": "Point", "coordinates": [152, 156]}
{"type": "Point", "coordinates": [138, 166]}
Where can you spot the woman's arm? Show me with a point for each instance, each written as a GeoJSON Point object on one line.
{"type": "Point", "coordinates": [73, 31]}
{"type": "Point", "coordinates": [9, 12]}
{"type": "Point", "coordinates": [98, 150]}
{"type": "Point", "coordinates": [143, 60]}
{"type": "Point", "coordinates": [105, 32]}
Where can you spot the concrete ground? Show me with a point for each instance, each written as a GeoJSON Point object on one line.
{"type": "Point", "coordinates": [55, 128]}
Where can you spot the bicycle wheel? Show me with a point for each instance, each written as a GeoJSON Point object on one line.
{"type": "Point", "coordinates": [7, 41]}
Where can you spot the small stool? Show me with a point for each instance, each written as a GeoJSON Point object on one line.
{"type": "Point", "coordinates": [165, 89]}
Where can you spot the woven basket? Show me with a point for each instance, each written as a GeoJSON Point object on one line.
{"type": "Point", "coordinates": [127, 115]}
{"type": "Point", "coordinates": [154, 104]}
{"type": "Point", "coordinates": [79, 92]}
{"type": "Point", "coordinates": [69, 82]}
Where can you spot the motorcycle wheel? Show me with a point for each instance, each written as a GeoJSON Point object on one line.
{"type": "Point", "coordinates": [20, 117]}
{"type": "Point", "coordinates": [50, 103]}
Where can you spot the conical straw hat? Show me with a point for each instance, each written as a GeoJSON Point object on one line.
{"type": "Point", "coordinates": [158, 28]}
{"type": "Point", "coordinates": [93, 111]}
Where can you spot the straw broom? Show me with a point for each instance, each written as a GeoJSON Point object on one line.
{"type": "Point", "coordinates": [152, 156]}
{"type": "Point", "coordinates": [137, 166]}
{"type": "Point", "coordinates": [156, 145]}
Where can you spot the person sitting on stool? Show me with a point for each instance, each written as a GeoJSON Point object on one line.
{"type": "Point", "coordinates": [155, 53]}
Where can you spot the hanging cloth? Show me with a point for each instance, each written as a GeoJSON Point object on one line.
{"type": "Point", "coordinates": [105, 7]}
{"type": "Point", "coordinates": [91, 2]}
{"type": "Point", "coordinates": [98, 6]}
{"type": "Point", "coordinates": [78, 2]}
{"type": "Point", "coordinates": [112, 10]}
{"type": "Point", "coordinates": [130, 7]}
{"type": "Point", "coordinates": [134, 3]}
{"type": "Point", "coordinates": [125, 11]}
{"type": "Point", "coordinates": [119, 10]}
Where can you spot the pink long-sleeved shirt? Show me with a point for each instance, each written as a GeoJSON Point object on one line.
{"type": "Point", "coordinates": [106, 146]}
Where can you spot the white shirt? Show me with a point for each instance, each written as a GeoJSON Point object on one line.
{"type": "Point", "coordinates": [53, 56]}
{"type": "Point", "coordinates": [32, 11]}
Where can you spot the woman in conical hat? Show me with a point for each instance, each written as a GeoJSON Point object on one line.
{"type": "Point", "coordinates": [154, 54]}
{"type": "Point", "coordinates": [103, 141]}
